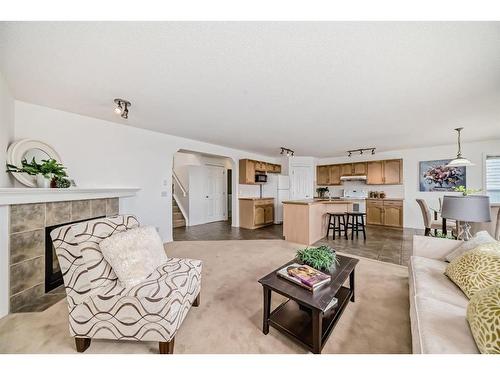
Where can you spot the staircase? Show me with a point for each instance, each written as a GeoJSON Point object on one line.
{"type": "Point", "coordinates": [177, 216]}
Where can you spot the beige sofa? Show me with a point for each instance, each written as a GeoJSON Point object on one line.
{"type": "Point", "coordinates": [437, 306]}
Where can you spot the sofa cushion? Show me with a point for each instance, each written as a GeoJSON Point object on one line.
{"type": "Point", "coordinates": [89, 234]}
{"type": "Point", "coordinates": [480, 238]}
{"type": "Point", "coordinates": [427, 279]}
{"type": "Point", "coordinates": [476, 269]}
{"type": "Point", "coordinates": [134, 254]}
{"type": "Point", "coordinates": [439, 327]}
{"type": "Point", "coordinates": [483, 314]}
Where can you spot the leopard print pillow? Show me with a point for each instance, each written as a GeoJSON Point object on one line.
{"type": "Point", "coordinates": [483, 315]}
{"type": "Point", "coordinates": [476, 269]}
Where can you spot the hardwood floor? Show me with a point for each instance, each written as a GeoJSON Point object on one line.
{"type": "Point", "coordinates": [222, 230]}
{"type": "Point", "coordinates": [384, 244]}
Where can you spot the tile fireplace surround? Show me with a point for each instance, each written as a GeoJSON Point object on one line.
{"type": "Point", "coordinates": [24, 224]}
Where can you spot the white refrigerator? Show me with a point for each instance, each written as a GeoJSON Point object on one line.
{"type": "Point", "coordinates": [278, 187]}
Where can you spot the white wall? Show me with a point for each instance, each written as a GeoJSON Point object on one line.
{"type": "Point", "coordinates": [6, 129]}
{"type": "Point", "coordinates": [184, 159]}
{"type": "Point", "coordinates": [474, 151]}
{"type": "Point", "coordinates": [6, 136]}
{"type": "Point", "coordinates": [187, 168]}
{"type": "Point", "coordinates": [103, 154]}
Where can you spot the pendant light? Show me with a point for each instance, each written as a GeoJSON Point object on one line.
{"type": "Point", "coordinates": [459, 161]}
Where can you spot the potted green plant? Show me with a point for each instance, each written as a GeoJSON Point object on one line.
{"type": "Point", "coordinates": [48, 173]}
{"type": "Point", "coordinates": [322, 191]}
{"type": "Point", "coordinates": [320, 258]}
{"type": "Point", "coordinates": [462, 189]}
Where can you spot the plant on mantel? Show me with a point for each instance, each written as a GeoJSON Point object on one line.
{"type": "Point", "coordinates": [50, 170]}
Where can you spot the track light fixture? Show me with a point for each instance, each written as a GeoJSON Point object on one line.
{"type": "Point", "coordinates": [361, 150]}
{"type": "Point", "coordinates": [122, 107]}
{"type": "Point", "coordinates": [286, 151]}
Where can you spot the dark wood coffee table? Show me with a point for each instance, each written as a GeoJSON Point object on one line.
{"type": "Point", "coordinates": [303, 317]}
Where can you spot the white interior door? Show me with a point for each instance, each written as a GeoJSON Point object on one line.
{"type": "Point", "coordinates": [215, 194]}
{"type": "Point", "coordinates": [301, 182]}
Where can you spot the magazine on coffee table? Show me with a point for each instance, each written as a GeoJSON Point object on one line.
{"type": "Point", "coordinates": [304, 275]}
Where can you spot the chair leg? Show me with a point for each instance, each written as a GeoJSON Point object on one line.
{"type": "Point", "coordinates": [82, 344]}
{"type": "Point", "coordinates": [167, 347]}
{"type": "Point", "coordinates": [363, 226]}
{"type": "Point", "coordinates": [329, 226]}
{"type": "Point", "coordinates": [334, 225]}
{"type": "Point", "coordinates": [427, 231]}
{"type": "Point", "coordinates": [196, 301]}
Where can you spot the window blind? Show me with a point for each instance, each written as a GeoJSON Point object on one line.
{"type": "Point", "coordinates": [493, 178]}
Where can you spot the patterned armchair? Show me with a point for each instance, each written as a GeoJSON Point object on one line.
{"type": "Point", "coordinates": [99, 307]}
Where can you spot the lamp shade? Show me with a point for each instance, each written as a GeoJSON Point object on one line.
{"type": "Point", "coordinates": [470, 208]}
{"type": "Point", "coordinates": [460, 162]}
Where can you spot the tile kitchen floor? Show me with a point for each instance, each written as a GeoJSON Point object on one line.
{"type": "Point", "coordinates": [384, 244]}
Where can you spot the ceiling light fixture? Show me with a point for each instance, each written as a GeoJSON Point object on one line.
{"type": "Point", "coordinates": [286, 151]}
{"type": "Point", "coordinates": [459, 161]}
{"type": "Point", "coordinates": [122, 107]}
{"type": "Point", "coordinates": [361, 150]}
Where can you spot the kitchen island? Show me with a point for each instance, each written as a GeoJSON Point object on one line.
{"type": "Point", "coordinates": [306, 221]}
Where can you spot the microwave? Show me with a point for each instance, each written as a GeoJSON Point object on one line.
{"type": "Point", "coordinates": [260, 178]}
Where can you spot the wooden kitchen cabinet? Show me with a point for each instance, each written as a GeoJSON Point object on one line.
{"type": "Point", "coordinates": [374, 213]}
{"type": "Point", "coordinates": [334, 175]}
{"type": "Point", "coordinates": [393, 172]}
{"type": "Point", "coordinates": [328, 175]}
{"type": "Point", "coordinates": [273, 168]}
{"type": "Point", "coordinates": [259, 216]}
{"type": "Point", "coordinates": [248, 169]}
{"type": "Point", "coordinates": [393, 216]}
{"type": "Point", "coordinates": [247, 172]}
{"type": "Point", "coordinates": [269, 214]}
{"type": "Point", "coordinates": [346, 169]}
{"type": "Point", "coordinates": [260, 166]}
{"type": "Point", "coordinates": [375, 173]}
{"type": "Point", "coordinates": [322, 175]}
{"type": "Point", "coordinates": [359, 169]}
{"type": "Point", "coordinates": [384, 212]}
{"type": "Point", "coordinates": [256, 212]}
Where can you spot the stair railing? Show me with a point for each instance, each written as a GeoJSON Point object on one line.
{"type": "Point", "coordinates": [176, 178]}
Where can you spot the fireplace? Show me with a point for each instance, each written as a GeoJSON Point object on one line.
{"type": "Point", "coordinates": [53, 274]}
{"type": "Point", "coordinates": [34, 273]}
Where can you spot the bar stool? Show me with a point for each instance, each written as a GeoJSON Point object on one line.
{"type": "Point", "coordinates": [337, 225]}
{"type": "Point", "coordinates": [355, 221]}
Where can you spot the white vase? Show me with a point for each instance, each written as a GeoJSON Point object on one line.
{"type": "Point", "coordinates": [42, 182]}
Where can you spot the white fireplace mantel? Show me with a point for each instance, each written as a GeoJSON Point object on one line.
{"type": "Point", "coordinates": [10, 196]}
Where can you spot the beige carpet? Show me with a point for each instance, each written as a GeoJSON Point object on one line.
{"type": "Point", "coordinates": [229, 319]}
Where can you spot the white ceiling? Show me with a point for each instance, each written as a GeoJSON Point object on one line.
{"type": "Point", "coordinates": [319, 88]}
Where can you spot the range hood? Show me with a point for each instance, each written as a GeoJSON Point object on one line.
{"type": "Point", "coordinates": [353, 178]}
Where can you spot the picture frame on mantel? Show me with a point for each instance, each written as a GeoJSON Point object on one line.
{"type": "Point", "coordinates": [28, 149]}
{"type": "Point", "coordinates": [435, 176]}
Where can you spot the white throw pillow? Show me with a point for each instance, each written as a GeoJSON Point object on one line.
{"type": "Point", "coordinates": [480, 238]}
{"type": "Point", "coordinates": [134, 254]}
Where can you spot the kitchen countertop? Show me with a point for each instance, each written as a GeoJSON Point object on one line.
{"type": "Point", "coordinates": [318, 201]}
{"type": "Point", "coordinates": [254, 198]}
{"type": "Point", "coordinates": [385, 199]}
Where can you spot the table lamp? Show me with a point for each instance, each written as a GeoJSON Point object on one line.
{"type": "Point", "coordinates": [466, 209]}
